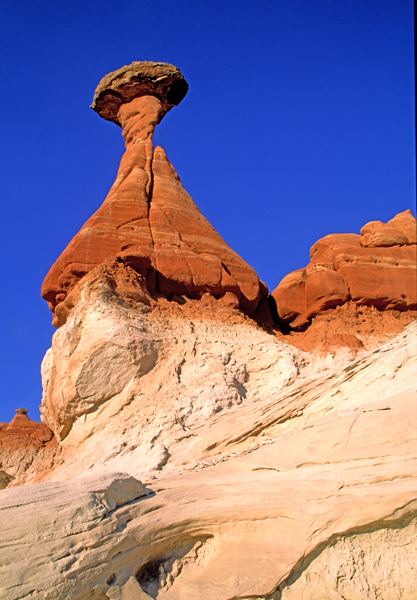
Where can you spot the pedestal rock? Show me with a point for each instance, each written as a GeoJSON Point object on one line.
{"type": "Point", "coordinates": [148, 221]}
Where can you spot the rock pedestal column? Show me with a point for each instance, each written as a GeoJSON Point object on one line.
{"type": "Point", "coordinates": [147, 213]}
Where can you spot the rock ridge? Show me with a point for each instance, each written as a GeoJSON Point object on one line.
{"type": "Point", "coordinates": [376, 268]}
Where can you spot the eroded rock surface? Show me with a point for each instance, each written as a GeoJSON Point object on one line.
{"type": "Point", "coordinates": [376, 268]}
{"type": "Point", "coordinates": [196, 454]}
{"type": "Point", "coordinates": [313, 483]}
{"type": "Point", "coordinates": [24, 444]}
{"type": "Point", "coordinates": [164, 365]}
{"type": "Point", "coordinates": [148, 220]}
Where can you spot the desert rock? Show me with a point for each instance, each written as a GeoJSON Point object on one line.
{"type": "Point", "coordinates": [314, 483]}
{"type": "Point", "coordinates": [376, 268]}
{"type": "Point", "coordinates": [169, 362]}
{"type": "Point", "coordinates": [190, 448]}
{"type": "Point", "coordinates": [147, 214]}
{"type": "Point", "coordinates": [399, 231]}
{"type": "Point", "coordinates": [406, 223]}
{"type": "Point", "coordinates": [22, 426]}
{"type": "Point", "coordinates": [145, 78]}
{"type": "Point", "coordinates": [25, 444]}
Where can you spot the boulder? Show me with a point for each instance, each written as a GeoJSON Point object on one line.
{"type": "Point", "coordinates": [406, 223]}
{"type": "Point", "coordinates": [290, 296]}
{"type": "Point", "coordinates": [145, 78]}
{"type": "Point", "coordinates": [377, 234]}
{"type": "Point", "coordinates": [324, 289]}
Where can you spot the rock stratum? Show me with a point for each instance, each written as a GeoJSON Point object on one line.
{"type": "Point", "coordinates": [376, 268]}
{"type": "Point", "coordinates": [250, 453]}
{"type": "Point", "coordinates": [24, 444]}
{"type": "Point", "coordinates": [200, 439]}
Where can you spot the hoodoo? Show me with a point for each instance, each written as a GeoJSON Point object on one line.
{"type": "Point", "coordinates": [148, 222]}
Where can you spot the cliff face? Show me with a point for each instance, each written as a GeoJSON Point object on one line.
{"type": "Point", "coordinates": [193, 445]}
{"type": "Point", "coordinates": [248, 453]}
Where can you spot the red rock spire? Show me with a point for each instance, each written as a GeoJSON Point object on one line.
{"type": "Point", "coordinates": [147, 213]}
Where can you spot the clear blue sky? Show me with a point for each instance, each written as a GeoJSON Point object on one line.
{"type": "Point", "coordinates": [299, 122]}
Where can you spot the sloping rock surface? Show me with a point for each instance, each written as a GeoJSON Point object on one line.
{"type": "Point", "coordinates": [376, 268]}
{"type": "Point", "coordinates": [163, 365]}
{"type": "Point", "coordinates": [196, 454]}
{"type": "Point", "coordinates": [313, 484]}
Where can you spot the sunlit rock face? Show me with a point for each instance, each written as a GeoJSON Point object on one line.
{"type": "Point", "coordinates": [25, 444]}
{"type": "Point", "coordinates": [376, 268]}
{"type": "Point", "coordinates": [161, 364]}
{"type": "Point", "coordinates": [148, 218]}
{"type": "Point", "coordinates": [308, 471]}
{"type": "Point", "coordinates": [189, 450]}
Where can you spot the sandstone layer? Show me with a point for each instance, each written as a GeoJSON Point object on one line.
{"type": "Point", "coordinates": [145, 78]}
{"type": "Point", "coordinates": [376, 268]}
{"type": "Point", "coordinates": [191, 449]}
{"type": "Point", "coordinates": [310, 476]}
{"type": "Point", "coordinates": [148, 221]}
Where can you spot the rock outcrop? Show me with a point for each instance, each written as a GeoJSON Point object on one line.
{"type": "Point", "coordinates": [376, 268]}
{"type": "Point", "coordinates": [148, 222]}
{"type": "Point", "coordinates": [22, 426]}
{"type": "Point", "coordinates": [25, 444]}
{"type": "Point", "coordinates": [314, 483]}
{"type": "Point", "coordinates": [164, 365]}
{"type": "Point", "coordinates": [196, 454]}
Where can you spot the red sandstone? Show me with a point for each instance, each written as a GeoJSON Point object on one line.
{"type": "Point", "coordinates": [376, 268]}
{"type": "Point", "coordinates": [147, 213]}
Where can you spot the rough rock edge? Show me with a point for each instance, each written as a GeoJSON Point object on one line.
{"type": "Point", "coordinates": [162, 80]}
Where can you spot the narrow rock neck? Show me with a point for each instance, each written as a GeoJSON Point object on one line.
{"type": "Point", "coordinates": [139, 119]}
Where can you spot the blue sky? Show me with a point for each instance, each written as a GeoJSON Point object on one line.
{"type": "Point", "coordinates": [299, 122]}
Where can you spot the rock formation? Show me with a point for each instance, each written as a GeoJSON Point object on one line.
{"type": "Point", "coordinates": [376, 268]}
{"type": "Point", "coordinates": [148, 222]}
{"type": "Point", "coordinates": [22, 426]}
{"type": "Point", "coordinates": [23, 444]}
{"type": "Point", "coordinates": [197, 455]}
{"type": "Point", "coordinates": [312, 481]}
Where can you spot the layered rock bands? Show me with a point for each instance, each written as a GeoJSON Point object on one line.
{"type": "Point", "coordinates": [148, 221]}
{"type": "Point", "coordinates": [188, 453]}
{"type": "Point", "coordinates": [376, 268]}
{"type": "Point", "coordinates": [24, 444]}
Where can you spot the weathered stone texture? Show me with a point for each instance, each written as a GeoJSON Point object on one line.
{"type": "Point", "coordinates": [377, 268]}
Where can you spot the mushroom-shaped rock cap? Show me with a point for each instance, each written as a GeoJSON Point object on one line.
{"type": "Point", "coordinates": [145, 78]}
